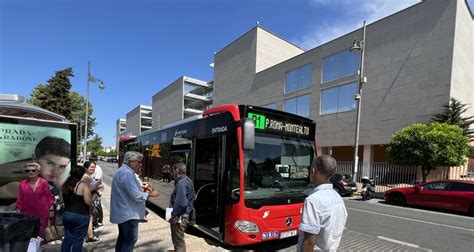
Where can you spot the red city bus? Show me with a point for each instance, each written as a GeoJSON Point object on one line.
{"type": "Point", "coordinates": [126, 143]}
{"type": "Point", "coordinates": [250, 167]}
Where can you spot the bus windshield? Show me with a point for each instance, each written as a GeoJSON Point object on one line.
{"type": "Point", "coordinates": [277, 170]}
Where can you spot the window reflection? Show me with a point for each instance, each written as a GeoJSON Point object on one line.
{"type": "Point", "coordinates": [298, 79]}
{"type": "Point", "coordinates": [298, 105]}
{"type": "Point", "coordinates": [338, 99]}
{"type": "Point", "coordinates": [277, 163]}
{"type": "Point", "coordinates": [272, 105]}
{"type": "Point", "coordinates": [340, 65]}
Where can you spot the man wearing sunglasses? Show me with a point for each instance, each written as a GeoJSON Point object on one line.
{"type": "Point", "coordinates": [34, 196]}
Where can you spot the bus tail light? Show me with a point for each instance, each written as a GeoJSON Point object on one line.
{"type": "Point", "coordinates": [246, 226]}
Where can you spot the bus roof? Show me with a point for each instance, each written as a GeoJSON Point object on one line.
{"type": "Point", "coordinates": [217, 119]}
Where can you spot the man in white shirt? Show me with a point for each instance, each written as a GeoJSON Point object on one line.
{"type": "Point", "coordinates": [324, 213]}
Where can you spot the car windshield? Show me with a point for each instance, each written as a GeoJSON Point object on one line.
{"type": "Point", "coordinates": [278, 166]}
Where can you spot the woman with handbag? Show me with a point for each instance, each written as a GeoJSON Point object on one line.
{"type": "Point", "coordinates": [34, 196]}
{"type": "Point", "coordinates": [77, 199]}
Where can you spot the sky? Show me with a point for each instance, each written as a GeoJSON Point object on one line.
{"type": "Point", "coordinates": [138, 47]}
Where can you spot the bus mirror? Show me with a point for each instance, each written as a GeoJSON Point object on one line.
{"type": "Point", "coordinates": [248, 130]}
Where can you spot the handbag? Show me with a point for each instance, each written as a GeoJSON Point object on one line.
{"type": "Point", "coordinates": [53, 232]}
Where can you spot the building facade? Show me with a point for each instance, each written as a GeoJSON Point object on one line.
{"type": "Point", "coordinates": [184, 98]}
{"type": "Point", "coordinates": [415, 60]}
{"type": "Point", "coordinates": [120, 130]}
{"type": "Point", "coordinates": [138, 120]}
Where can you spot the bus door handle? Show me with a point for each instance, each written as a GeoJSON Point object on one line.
{"type": "Point", "coordinates": [202, 187]}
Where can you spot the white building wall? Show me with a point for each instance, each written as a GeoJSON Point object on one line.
{"type": "Point", "coordinates": [408, 64]}
{"type": "Point", "coordinates": [133, 122]}
{"type": "Point", "coordinates": [463, 62]}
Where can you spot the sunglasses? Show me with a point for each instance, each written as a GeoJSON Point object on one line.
{"type": "Point", "coordinates": [30, 171]}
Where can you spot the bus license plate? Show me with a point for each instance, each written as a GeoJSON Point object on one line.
{"type": "Point", "coordinates": [287, 234]}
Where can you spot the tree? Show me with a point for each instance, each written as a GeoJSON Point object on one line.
{"type": "Point", "coordinates": [51, 96]}
{"type": "Point", "coordinates": [453, 114]}
{"type": "Point", "coordinates": [112, 153]}
{"type": "Point", "coordinates": [94, 145]}
{"type": "Point", "coordinates": [54, 96]}
{"type": "Point", "coordinates": [102, 153]}
{"type": "Point", "coordinates": [429, 146]}
{"type": "Point", "coordinates": [78, 111]}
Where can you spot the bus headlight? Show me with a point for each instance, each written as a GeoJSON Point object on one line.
{"type": "Point", "coordinates": [246, 226]}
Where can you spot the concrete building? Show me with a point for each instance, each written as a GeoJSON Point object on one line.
{"type": "Point", "coordinates": [415, 60]}
{"type": "Point", "coordinates": [184, 98]}
{"type": "Point", "coordinates": [138, 120]}
{"type": "Point", "coordinates": [120, 130]}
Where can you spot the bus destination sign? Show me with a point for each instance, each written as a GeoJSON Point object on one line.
{"type": "Point", "coordinates": [264, 123]}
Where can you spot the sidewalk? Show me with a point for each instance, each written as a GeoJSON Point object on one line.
{"type": "Point", "coordinates": [154, 235]}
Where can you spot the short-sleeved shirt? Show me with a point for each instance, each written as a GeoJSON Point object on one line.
{"type": "Point", "coordinates": [324, 214]}
{"type": "Point", "coordinates": [97, 173]}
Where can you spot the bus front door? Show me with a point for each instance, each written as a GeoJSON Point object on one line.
{"type": "Point", "coordinates": [208, 165]}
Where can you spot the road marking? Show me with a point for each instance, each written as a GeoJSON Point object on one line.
{"type": "Point", "coordinates": [414, 220]}
{"type": "Point", "coordinates": [384, 204]}
{"type": "Point", "coordinates": [399, 242]}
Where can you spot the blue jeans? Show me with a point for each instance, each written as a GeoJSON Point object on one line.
{"type": "Point", "coordinates": [128, 236]}
{"type": "Point", "coordinates": [75, 229]}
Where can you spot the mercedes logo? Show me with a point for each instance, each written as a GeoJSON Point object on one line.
{"type": "Point", "coordinates": [288, 221]}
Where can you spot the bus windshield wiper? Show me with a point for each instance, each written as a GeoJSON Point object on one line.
{"type": "Point", "coordinates": [268, 201]}
{"type": "Point", "coordinates": [281, 198]}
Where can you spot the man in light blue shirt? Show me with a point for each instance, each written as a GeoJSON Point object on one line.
{"type": "Point", "coordinates": [127, 201]}
{"type": "Point", "coordinates": [324, 213]}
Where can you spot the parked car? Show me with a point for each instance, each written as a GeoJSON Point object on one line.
{"type": "Point", "coordinates": [343, 184]}
{"type": "Point", "coordinates": [457, 195]}
{"type": "Point", "coordinates": [112, 159]}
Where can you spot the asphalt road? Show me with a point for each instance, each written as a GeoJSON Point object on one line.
{"type": "Point", "coordinates": [433, 230]}
{"type": "Point", "coordinates": [376, 226]}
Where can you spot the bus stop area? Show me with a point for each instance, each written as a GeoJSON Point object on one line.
{"type": "Point", "coordinates": [153, 235]}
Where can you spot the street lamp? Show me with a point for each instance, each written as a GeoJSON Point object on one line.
{"type": "Point", "coordinates": [358, 45]}
{"type": "Point", "coordinates": [90, 79]}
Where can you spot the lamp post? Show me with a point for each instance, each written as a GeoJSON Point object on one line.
{"type": "Point", "coordinates": [90, 79]}
{"type": "Point", "coordinates": [358, 45]}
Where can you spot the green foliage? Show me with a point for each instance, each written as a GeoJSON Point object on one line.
{"type": "Point", "coordinates": [94, 145]}
{"type": "Point", "coordinates": [107, 154]}
{"type": "Point", "coordinates": [54, 96]}
{"type": "Point", "coordinates": [112, 153]}
{"type": "Point", "coordinates": [453, 114]}
{"type": "Point", "coordinates": [429, 146]}
{"type": "Point", "coordinates": [78, 111]}
{"type": "Point", "coordinates": [39, 94]}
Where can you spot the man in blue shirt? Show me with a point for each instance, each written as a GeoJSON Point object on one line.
{"type": "Point", "coordinates": [181, 201]}
{"type": "Point", "coordinates": [127, 201]}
